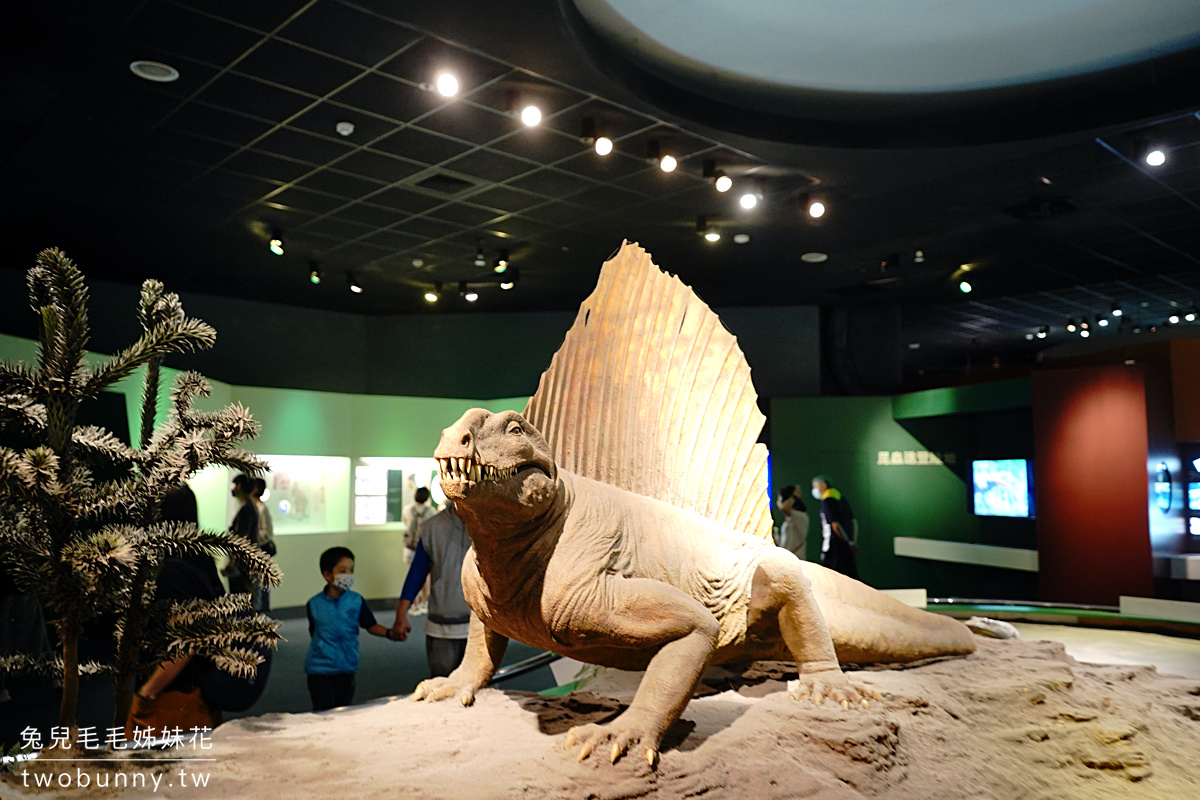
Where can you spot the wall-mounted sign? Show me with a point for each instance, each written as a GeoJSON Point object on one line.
{"type": "Point", "coordinates": [914, 458]}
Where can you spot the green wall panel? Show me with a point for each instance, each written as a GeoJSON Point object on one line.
{"type": "Point", "coordinates": [842, 438]}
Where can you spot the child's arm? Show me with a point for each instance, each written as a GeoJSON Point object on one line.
{"type": "Point", "coordinates": [378, 630]}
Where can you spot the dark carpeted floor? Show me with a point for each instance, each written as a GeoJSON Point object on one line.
{"type": "Point", "coordinates": [386, 668]}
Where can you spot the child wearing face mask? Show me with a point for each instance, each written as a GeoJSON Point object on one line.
{"type": "Point", "coordinates": [334, 616]}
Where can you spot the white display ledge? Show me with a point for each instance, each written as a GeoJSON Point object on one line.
{"type": "Point", "coordinates": [984, 555]}
{"type": "Point", "coordinates": [1153, 608]}
{"type": "Point", "coordinates": [1186, 568]}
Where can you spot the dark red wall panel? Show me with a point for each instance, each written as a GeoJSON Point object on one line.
{"type": "Point", "coordinates": [1090, 471]}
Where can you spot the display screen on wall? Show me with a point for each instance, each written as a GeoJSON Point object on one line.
{"type": "Point", "coordinates": [384, 486]}
{"type": "Point", "coordinates": [300, 490]}
{"type": "Point", "coordinates": [1002, 487]}
{"type": "Point", "coordinates": [1194, 496]}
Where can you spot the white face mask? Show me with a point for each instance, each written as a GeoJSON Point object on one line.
{"type": "Point", "coordinates": [344, 582]}
{"type": "Point", "coordinates": [816, 494]}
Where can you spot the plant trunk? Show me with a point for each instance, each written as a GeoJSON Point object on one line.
{"type": "Point", "coordinates": [129, 649]}
{"type": "Point", "coordinates": [71, 630]}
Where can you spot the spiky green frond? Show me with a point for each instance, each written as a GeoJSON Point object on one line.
{"type": "Point", "coordinates": [17, 379]}
{"type": "Point", "coordinates": [173, 336]}
{"type": "Point", "coordinates": [47, 666]}
{"type": "Point", "coordinates": [23, 413]}
{"type": "Point", "coordinates": [102, 562]}
{"type": "Point", "coordinates": [99, 445]}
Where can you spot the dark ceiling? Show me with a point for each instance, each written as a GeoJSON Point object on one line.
{"type": "Point", "coordinates": [1040, 191]}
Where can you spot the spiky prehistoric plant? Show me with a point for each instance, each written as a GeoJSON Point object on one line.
{"type": "Point", "coordinates": [87, 546]}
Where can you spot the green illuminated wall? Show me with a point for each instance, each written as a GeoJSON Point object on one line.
{"type": "Point", "coordinates": [842, 437]}
{"type": "Point", "coordinates": [299, 422]}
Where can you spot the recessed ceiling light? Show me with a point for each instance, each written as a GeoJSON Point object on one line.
{"type": "Point", "coordinates": [154, 71]}
{"type": "Point", "coordinates": [531, 116]}
{"type": "Point", "coordinates": [446, 84]}
{"type": "Point", "coordinates": [344, 128]}
{"type": "Point", "coordinates": [814, 258]}
{"type": "Point", "coordinates": [741, 238]}
{"type": "Point", "coordinates": [418, 262]}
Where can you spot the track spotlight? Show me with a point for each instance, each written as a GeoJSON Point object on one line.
{"type": "Point", "coordinates": [1102, 320]}
{"type": "Point", "coordinates": [1190, 316]}
{"type": "Point", "coordinates": [965, 287]}
{"type": "Point", "coordinates": [1156, 157]}
{"type": "Point", "coordinates": [704, 230]}
{"type": "Point", "coordinates": [1116, 309]}
{"type": "Point", "coordinates": [721, 182]}
{"type": "Point", "coordinates": [604, 145]}
{"type": "Point", "coordinates": [919, 257]}
{"type": "Point", "coordinates": [434, 294]}
{"type": "Point", "coordinates": [353, 283]}
{"type": "Point", "coordinates": [1085, 333]}
{"type": "Point", "coordinates": [480, 260]}
{"type": "Point", "coordinates": [314, 273]}
{"type": "Point", "coordinates": [655, 155]}
{"type": "Point", "coordinates": [1071, 326]}
{"type": "Point", "coordinates": [509, 280]}
{"type": "Point", "coordinates": [750, 198]}
{"type": "Point", "coordinates": [467, 293]}
{"type": "Point", "coordinates": [276, 244]}
{"type": "Point", "coordinates": [501, 262]}
{"type": "Point", "coordinates": [1173, 319]}
{"type": "Point", "coordinates": [1083, 325]}
{"type": "Point", "coordinates": [1043, 332]}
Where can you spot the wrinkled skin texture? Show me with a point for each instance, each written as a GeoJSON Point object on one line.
{"type": "Point", "coordinates": [613, 578]}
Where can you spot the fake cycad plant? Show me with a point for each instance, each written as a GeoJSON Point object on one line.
{"type": "Point", "coordinates": [79, 510]}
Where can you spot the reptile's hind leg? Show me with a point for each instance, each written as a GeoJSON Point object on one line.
{"type": "Point", "coordinates": [674, 632]}
{"type": "Point", "coordinates": [781, 588]}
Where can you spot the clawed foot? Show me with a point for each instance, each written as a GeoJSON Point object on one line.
{"type": "Point", "coordinates": [622, 736]}
{"type": "Point", "coordinates": [441, 688]}
{"type": "Point", "coordinates": [832, 684]}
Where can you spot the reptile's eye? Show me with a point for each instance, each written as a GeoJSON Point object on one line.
{"type": "Point", "coordinates": [515, 428]}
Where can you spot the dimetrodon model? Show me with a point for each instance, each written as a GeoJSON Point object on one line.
{"type": "Point", "coordinates": [635, 533]}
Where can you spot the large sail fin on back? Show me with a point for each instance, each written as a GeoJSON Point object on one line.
{"type": "Point", "coordinates": [651, 394]}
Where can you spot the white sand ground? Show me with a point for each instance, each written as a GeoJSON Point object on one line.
{"type": "Point", "coordinates": [1018, 719]}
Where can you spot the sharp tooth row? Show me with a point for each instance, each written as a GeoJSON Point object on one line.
{"type": "Point", "coordinates": [466, 469]}
{"type": "Point", "coordinates": [496, 474]}
{"type": "Point", "coordinates": [460, 469]}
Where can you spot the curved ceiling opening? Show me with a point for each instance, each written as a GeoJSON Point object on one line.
{"type": "Point", "coordinates": [843, 67]}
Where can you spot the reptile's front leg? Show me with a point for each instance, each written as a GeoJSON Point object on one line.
{"type": "Point", "coordinates": [485, 649]}
{"type": "Point", "coordinates": [642, 615]}
{"type": "Point", "coordinates": [781, 588]}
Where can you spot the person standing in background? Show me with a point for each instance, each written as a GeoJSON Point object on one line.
{"type": "Point", "coordinates": [440, 553]}
{"type": "Point", "coordinates": [793, 534]}
{"type": "Point", "coordinates": [838, 529]}
{"type": "Point", "coordinates": [412, 516]}
{"type": "Point", "coordinates": [261, 597]}
{"type": "Point", "coordinates": [245, 523]}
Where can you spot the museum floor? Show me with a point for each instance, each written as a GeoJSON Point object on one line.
{"type": "Point", "coordinates": [393, 668]}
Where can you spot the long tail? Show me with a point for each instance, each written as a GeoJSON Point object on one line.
{"type": "Point", "coordinates": [868, 626]}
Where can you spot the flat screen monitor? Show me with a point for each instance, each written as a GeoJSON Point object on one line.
{"type": "Point", "coordinates": [1003, 487]}
{"type": "Point", "coordinates": [1194, 496]}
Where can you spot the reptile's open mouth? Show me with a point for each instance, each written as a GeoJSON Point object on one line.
{"type": "Point", "coordinates": [467, 469]}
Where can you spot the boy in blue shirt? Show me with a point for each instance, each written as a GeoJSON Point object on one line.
{"type": "Point", "coordinates": [334, 617]}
